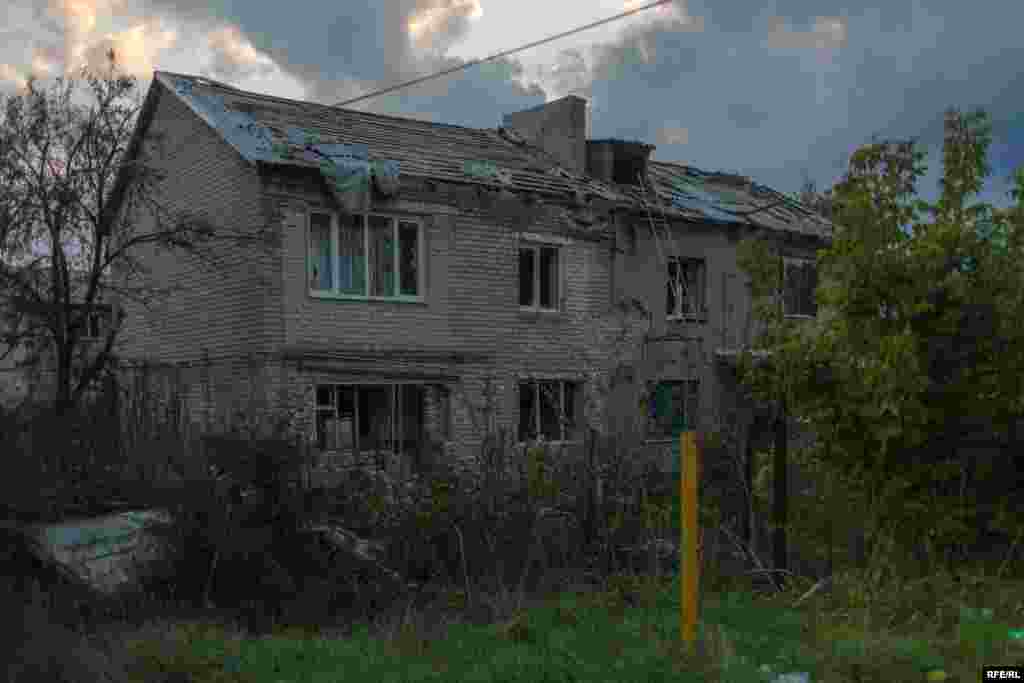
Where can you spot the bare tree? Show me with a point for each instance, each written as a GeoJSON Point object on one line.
{"type": "Point", "coordinates": [79, 196]}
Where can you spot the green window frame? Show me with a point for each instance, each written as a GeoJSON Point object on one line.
{"type": "Point", "coordinates": [673, 409]}
{"type": "Point", "coordinates": [365, 256]}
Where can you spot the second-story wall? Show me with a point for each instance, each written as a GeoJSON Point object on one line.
{"type": "Point", "coordinates": [470, 303]}
{"type": "Point", "coordinates": [311, 321]}
{"type": "Point", "coordinates": [685, 349]}
{"type": "Point", "coordinates": [228, 309]}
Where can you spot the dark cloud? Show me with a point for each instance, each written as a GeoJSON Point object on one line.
{"type": "Point", "coordinates": [798, 107]}
{"type": "Point", "coordinates": [342, 52]}
{"type": "Point", "coordinates": [772, 105]}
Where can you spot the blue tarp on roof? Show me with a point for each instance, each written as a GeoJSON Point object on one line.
{"type": "Point", "coordinates": [242, 131]}
{"type": "Point", "coordinates": [691, 196]}
{"type": "Point", "coordinates": [346, 168]}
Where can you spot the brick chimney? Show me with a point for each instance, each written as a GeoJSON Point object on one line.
{"type": "Point", "coordinates": [618, 161]}
{"type": "Point", "coordinates": [558, 127]}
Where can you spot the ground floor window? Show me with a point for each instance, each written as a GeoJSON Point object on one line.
{"type": "Point", "coordinates": [673, 408]}
{"type": "Point", "coordinates": [547, 408]}
{"type": "Point", "coordinates": [374, 417]}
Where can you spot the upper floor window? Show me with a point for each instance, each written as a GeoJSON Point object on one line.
{"type": "Point", "coordinates": [539, 276]}
{"type": "Point", "coordinates": [365, 256]}
{"type": "Point", "coordinates": [687, 289]}
{"type": "Point", "coordinates": [800, 281]}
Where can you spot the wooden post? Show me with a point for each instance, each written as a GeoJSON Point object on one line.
{"type": "Point", "coordinates": [689, 472]}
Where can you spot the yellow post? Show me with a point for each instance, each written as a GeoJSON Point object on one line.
{"type": "Point", "coordinates": [689, 453]}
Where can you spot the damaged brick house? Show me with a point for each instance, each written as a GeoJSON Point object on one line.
{"type": "Point", "coordinates": [436, 282]}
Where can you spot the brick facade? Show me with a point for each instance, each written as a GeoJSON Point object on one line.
{"type": "Point", "coordinates": [248, 338]}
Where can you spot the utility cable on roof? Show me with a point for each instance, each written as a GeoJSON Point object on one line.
{"type": "Point", "coordinates": [499, 55]}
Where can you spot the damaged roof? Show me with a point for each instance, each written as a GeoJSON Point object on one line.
{"type": "Point", "coordinates": [267, 129]}
{"type": "Point", "coordinates": [732, 198]}
{"type": "Point", "coordinates": [275, 130]}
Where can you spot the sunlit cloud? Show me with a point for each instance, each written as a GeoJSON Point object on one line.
{"type": "Point", "coordinates": [11, 77]}
{"type": "Point", "coordinates": [433, 23]}
{"type": "Point", "coordinates": [675, 13]}
{"type": "Point", "coordinates": [234, 56]}
{"type": "Point", "coordinates": [78, 21]}
{"type": "Point", "coordinates": [136, 48]}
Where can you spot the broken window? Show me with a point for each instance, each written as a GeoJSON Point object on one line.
{"type": "Point", "coordinates": [673, 408]}
{"type": "Point", "coordinates": [382, 256]}
{"type": "Point", "coordinates": [351, 256]}
{"type": "Point", "coordinates": [95, 323]}
{"type": "Point", "coordinates": [408, 258]}
{"type": "Point", "coordinates": [538, 277]}
{"type": "Point", "coordinates": [547, 408]}
{"type": "Point", "coordinates": [686, 294]}
{"type": "Point", "coordinates": [320, 277]}
{"type": "Point", "coordinates": [356, 255]}
{"type": "Point", "coordinates": [801, 279]}
{"type": "Point", "coordinates": [335, 418]}
{"type": "Point", "coordinates": [627, 170]}
{"type": "Point", "coordinates": [370, 418]}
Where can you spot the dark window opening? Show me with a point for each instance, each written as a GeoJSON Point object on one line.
{"type": "Point", "coordinates": [538, 277]}
{"type": "Point", "coordinates": [547, 409]}
{"type": "Point", "coordinates": [370, 418]}
{"type": "Point", "coordinates": [526, 277]}
{"type": "Point", "coordinates": [673, 409]}
{"type": "Point", "coordinates": [801, 279]}
{"type": "Point", "coordinates": [627, 169]}
{"type": "Point", "coordinates": [686, 289]}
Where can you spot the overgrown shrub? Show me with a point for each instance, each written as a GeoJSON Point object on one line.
{"type": "Point", "coordinates": [241, 530]}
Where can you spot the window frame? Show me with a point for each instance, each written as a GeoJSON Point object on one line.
{"type": "Point", "coordinates": [396, 437]}
{"type": "Point", "coordinates": [802, 261]}
{"type": "Point", "coordinates": [678, 315]}
{"type": "Point", "coordinates": [335, 291]}
{"type": "Point", "coordinates": [535, 247]}
{"type": "Point", "coordinates": [95, 324]}
{"type": "Point", "coordinates": [564, 427]}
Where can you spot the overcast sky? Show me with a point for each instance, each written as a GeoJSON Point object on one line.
{"type": "Point", "coordinates": [774, 90]}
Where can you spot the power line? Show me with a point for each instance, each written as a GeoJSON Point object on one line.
{"type": "Point", "coordinates": [499, 55]}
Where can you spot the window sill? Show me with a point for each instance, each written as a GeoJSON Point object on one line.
{"type": "Point", "coordinates": [533, 312]}
{"type": "Point", "coordinates": [330, 296]}
{"type": "Point", "coordinates": [690, 319]}
{"type": "Point", "coordinates": [558, 444]}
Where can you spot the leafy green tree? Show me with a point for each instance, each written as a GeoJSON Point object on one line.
{"type": "Point", "coordinates": [917, 345]}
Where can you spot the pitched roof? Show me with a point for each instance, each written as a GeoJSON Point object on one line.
{"type": "Point", "coordinates": [732, 198]}
{"type": "Point", "coordinates": [268, 129]}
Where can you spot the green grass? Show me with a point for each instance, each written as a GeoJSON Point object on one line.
{"type": "Point", "coordinates": [608, 636]}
